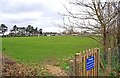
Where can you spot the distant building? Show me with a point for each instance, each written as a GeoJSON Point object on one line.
{"type": "Point", "coordinates": [72, 33]}
{"type": "Point", "coordinates": [50, 33]}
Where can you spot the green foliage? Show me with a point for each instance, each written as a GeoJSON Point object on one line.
{"type": "Point", "coordinates": [3, 28]}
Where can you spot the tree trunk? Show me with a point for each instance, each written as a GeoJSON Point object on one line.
{"type": "Point", "coordinates": [119, 53]}
{"type": "Point", "coordinates": [118, 25]}
{"type": "Point", "coordinates": [105, 43]}
{"type": "Point", "coordinates": [118, 22]}
{"type": "Point", "coordinates": [118, 36]}
{"type": "Point", "coordinates": [3, 35]}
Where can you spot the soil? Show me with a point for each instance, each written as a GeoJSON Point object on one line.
{"type": "Point", "coordinates": [13, 68]}
{"type": "Point", "coordinates": [55, 71]}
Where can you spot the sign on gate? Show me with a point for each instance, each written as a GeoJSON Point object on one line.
{"type": "Point", "coordinates": [90, 63]}
{"type": "Point", "coordinates": [86, 63]}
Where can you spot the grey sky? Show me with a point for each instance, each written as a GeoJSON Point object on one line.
{"type": "Point", "coordinates": [39, 13]}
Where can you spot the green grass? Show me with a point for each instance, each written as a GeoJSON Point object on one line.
{"type": "Point", "coordinates": [44, 48]}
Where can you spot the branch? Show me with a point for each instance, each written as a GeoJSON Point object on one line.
{"type": "Point", "coordinates": [95, 39]}
{"type": "Point", "coordinates": [83, 4]}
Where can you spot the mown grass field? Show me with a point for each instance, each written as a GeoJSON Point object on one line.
{"type": "Point", "coordinates": [45, 48]}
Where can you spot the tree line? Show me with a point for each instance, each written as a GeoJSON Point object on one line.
{"type": "Point", "coordinates": [21, 31]}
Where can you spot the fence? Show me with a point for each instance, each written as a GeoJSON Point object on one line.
{"type": "Point", "coordinates": [86, 63]}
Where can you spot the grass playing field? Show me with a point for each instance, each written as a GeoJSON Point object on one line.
{"type": "Point", "coordinates": [45, 48]}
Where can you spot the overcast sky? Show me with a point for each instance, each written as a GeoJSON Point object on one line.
{"type": "Point", "coordinates": [39, 13]}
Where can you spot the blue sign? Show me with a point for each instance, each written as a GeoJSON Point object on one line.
{"type": "Point", "coordinates": [90, 63]}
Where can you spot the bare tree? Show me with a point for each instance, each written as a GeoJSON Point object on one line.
{"type": "Point", "coordinates": [67, 25]}
{"type": "Point", "coordinates": [96, 16]}
{"type": "Point", "coordinates": [118, 24]}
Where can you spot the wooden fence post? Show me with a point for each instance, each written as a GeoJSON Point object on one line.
{"type": "Point", "coordinates": [84, 63]}
{"type": "Point", "coordinates": [77, 64]}
{"type": "Point", "coordinates": [80, 64]}
{"type": "Point", "coordinates": [98, 60]}
{"type": "Point", "coordinates": [72, 66]}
